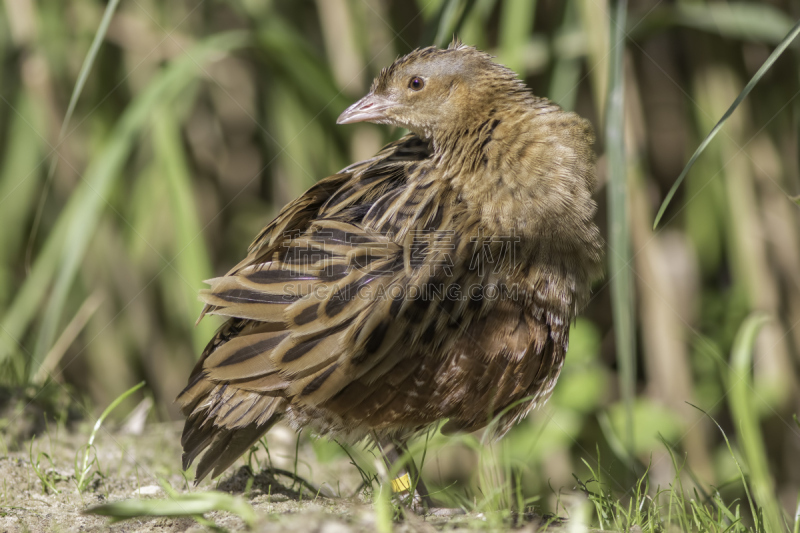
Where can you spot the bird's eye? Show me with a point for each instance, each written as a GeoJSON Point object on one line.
{"type": "Point", "coordinates": [416, 83]}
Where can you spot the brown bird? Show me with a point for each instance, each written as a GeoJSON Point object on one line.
{"type": "Point", "coordinates": [436, 280]}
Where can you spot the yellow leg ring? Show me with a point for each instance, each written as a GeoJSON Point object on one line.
{"type": "Point", "coordinates": [401, 484]}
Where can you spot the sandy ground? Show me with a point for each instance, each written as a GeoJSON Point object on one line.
{"type": "Point", "coordinates": [135, 466]}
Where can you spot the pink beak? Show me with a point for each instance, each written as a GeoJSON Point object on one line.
{"type": "Point", "coordinates": [371, 108]}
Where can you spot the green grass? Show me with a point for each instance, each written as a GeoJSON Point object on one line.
{"type": "Point", "coordinates": [177, 505]}
{"type": "Point", "coordinates": [683, 505]}
{"type": "Point", "coordinates": [87, 466]}
{"type": "Point", "coordinates": [619, 238]}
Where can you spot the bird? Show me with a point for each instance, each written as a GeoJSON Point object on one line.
{"type": "Point", "coordinates": [434, 282]}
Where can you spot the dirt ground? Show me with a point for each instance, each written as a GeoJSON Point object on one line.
{"type": "Point", "coordinates": [136, 466]}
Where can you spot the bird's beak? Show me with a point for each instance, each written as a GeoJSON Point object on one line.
{"type": "Point", "coordinates": [371, 108]}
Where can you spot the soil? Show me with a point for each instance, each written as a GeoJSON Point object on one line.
{"type": "Point", "coordinates": [137, 465]}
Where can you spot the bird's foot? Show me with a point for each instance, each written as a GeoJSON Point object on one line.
{"type": "Point", "coordinates": [423, 505]}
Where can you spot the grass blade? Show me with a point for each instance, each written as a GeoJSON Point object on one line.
{"type": "Point", "coordinates": [773, 57]}
{"type": "Point", "coordinates": [619, 245]}
{"type": "Point", "coordinates": [91, 55]}
{"type": "Point", "coordinates": [178, 505]}
{"type": "Point", "coordinates": [83, 465]}
{"type": "Point", "coordinates": [71, 332]}
{"type": "Point", "coordinates": [742, 406]}
{"type": "Point", "coordinates": [107, 411]}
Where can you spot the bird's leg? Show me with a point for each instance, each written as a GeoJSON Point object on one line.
{"type": "Point", "coordinates": [407, 477]}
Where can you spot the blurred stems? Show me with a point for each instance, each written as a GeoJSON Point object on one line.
{"type": "Point", "coordinates": [340, 47]}
{"type": "Point", "coordinates": [65, 251]}
{"type": "Point", "coordinates": [772, 179]}
{"type": "Point", "coordinates": [191, 260]}
{"type": "Point", "coordinates": [747, 250]}
{"type": "Point", "coordinates": [53, 314]}
{"type": "Point", "coordinates": [665, 285]}
{"type": "Point", "coordinates": [379, 42]}
{"type": "Point", "coordinates": [473, 31]}
{"type": "Point", "coordinates": [619, 253]}
{"type": "Point", "coordinates": [298, 139]}
{"type": "Point", "coordinates": [447, 23]}
{"type": "Point", "coordinates": [83, 75]}
{"type": "Point", "coordinates": [294, 62]}
{"type": "Point", "coordinates": [593, 14]}
{"type": "Point", "coordinates": [516, 23]}
{"type": "Point", "coordinates": [750, 21]}
{"type": "Point", "coordinates": [665, 280]}
{"type": "Point", "coordinates": [18, 182]}
{"type": "Point", "coordinates": [28, 298]}
{"type": "Point", "coordinates": [567, 67]}
{"type": "Point", "coordinates": [19, 179]}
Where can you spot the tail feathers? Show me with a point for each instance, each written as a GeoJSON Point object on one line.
{"type": "Point", "coordinates": [195, 439]}
{"type": "Point", "coordinates": [224, 445]}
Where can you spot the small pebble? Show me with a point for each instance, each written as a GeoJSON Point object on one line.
{"type": "Point", "coordinates": [149, 490]}
{"type": "Point", "coordinates": [334, 527]}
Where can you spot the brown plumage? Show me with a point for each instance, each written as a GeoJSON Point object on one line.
{"type": "Point", "coordinates": [436, 280]}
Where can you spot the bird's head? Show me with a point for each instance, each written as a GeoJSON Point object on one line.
{"type": "Point", "coordinates": [432, 91]}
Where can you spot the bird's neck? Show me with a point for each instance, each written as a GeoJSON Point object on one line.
{"type": "Point", "coordinates": [462, 143]}
{"type": "Point", "coordinates": [520, 168]}
{"type": "Point", "coordinates": [529, 176]}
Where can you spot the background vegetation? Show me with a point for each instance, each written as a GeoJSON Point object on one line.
{"type": "Point", "coordinates": [129, 177]}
